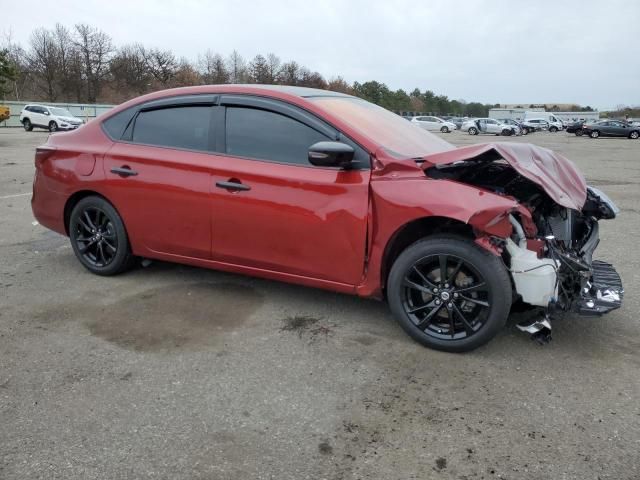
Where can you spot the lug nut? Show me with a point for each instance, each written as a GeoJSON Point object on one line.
{"type": "Point", "coordinates": [437, 301]}
{"type": "Point", "coordinates": [435, 290]}
{"type": "Point", "coordinates": [455, 295]}
{"type": "Point", "coordinates": [446, 285]}
{"type": "Point", "coordinates": [449, 304]}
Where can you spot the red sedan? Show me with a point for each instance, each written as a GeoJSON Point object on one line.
{"type": "Point", "coordinates": [327, 190]}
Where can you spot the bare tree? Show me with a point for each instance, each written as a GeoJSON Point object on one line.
{"type": "Point", "coordinates": [129, 70]}
{"type": "Point", "coordinates": [95, 49]}
{"type": "Point", "coordinates": [237, 68]}
{"type": "Point", "coordinates": [289, 74]}
{"type": "Point", "coordinates": [44, 60]}
{"type": "Point", "coordinates": [19, 59]}
{"type": "Point", "coordinates": [70, 63]}
{"type": "Point", "coordinates": [161, 64]}
{"type": "Point", "coordinates": [273, 65]}
{"type": "Point", "coordinates": [338, 84]}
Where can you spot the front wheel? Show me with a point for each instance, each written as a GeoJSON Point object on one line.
{"type": "Point", "coordinates": [579, 132]}
{"type": "Point", "coordinates": [594, 134]}
{"type": "Point", "coordinates": [525, 131]}
{"type": "Point", "coordinates": [507, 132]}
{"type": "Point", "coordinates": [444, 129]}
{"type": "Point", "coordinates": [449, 294]}
{"type": "Point", "coordinates": [53, 126]}
{"type": "Point", "coordinates": [473, 131]}
{"type": "Point", "coordinates": [98, 237]}
{"type": "Point", "coordinates": [27, 125]}
{"type": "Point", "coordinates": [634, 135]}
{"type": "Point", "coordinates": [553, 129]}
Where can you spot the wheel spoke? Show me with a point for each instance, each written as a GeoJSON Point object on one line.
{"type": "Point", "coordinates": [472, 288]}
{"type": "Point", "coordinates": [467, 326]}
{"type": "Point", "coordinates": [426, 281]}
{"type": "Point", "coordinates": [86, 247]}
{"type": "Point", "coordinates": [475, 300]}
{"type": "Point", "coordinates": [89, 221]}
{"type": "Point", "coordinates": [111, 247]}
{"type": "Point", "coordinates": [415, 286]}
{"type": "Point", "coordinates": [431, 304]}
{"type": "Point", "coordinates": [456, 269]}
{"type": "Point", "coordinates": [442, 259]}
{"type": "Point", "coordinates": [84, 225]}
{"type": "Point", "coordinates": [101, 252]}
{"type": "Point", "coordinates": [452, 323]}
{"type": "Point", "coordinates": [424, 323]}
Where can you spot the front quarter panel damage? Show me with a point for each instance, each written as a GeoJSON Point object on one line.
{"type": "Point", "coordinates": [397, 202]}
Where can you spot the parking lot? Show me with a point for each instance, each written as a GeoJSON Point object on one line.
{"type": "Point", "coordinates": [176, 372]}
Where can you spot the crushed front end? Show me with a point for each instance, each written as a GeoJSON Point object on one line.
{"type": "Point", "coordinates": [549, 251]}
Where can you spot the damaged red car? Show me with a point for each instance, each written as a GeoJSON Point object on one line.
{"type": "Point", "coordinates": [327, 190]}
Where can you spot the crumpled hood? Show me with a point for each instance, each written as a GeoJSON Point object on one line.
{"type": "Point", "coordinates": [557, 175]}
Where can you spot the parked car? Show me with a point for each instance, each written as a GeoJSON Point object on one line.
{"type": "Point", "coordinates": [535, 125]}
{"type": "Point", "coordinates": [327, 190]}
{"type": "Point", "coordinates": [611, 128]}
{"type": "Point", "coordinates": [50, 118]}
{"type": "Point", "coordinates": [458, 121]}
{"type": "Point", "coordinates": [476, 126]}
{"type": "Point", "coordinates": [434, 124]}
{"type": "Point", "coordinates": [514, 123]}
{"type": "Point", "coordinates": [576, 128]}
{"type": "Point", "coordinates": [555, 124]}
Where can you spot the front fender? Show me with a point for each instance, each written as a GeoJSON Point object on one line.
{"type": "Point", "coordinates": [398, 202]}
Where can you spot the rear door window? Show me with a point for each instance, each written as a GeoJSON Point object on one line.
{"type": "Point", "coordinates": [185, 127]}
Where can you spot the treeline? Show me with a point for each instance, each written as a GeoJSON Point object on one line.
{"type": "Point", "coordinates": [82, 64]}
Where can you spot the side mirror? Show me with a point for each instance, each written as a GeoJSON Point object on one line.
{"type": "Point", "coordinates": [331, 154]}
{"type": "Point", "coordinates": [47, 113]}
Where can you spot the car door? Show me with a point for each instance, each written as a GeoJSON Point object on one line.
{"type": "Point", "coordinates": [273, 210]}
{"type": "Point", "coordinates": [39, 117]}
{"type": "Point", "coordinates": [482, 125]}
{"type": "Point", "coordinates": [158, 176]}
{"type": "Point", "coordinates": [492, 126]}
{"type": "Point", "coordinates": [619, 129]}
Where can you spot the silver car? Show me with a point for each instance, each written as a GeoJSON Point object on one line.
{"type": "Point", "coordinates": [490, 126]}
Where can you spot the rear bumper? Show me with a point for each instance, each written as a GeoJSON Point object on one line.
{"type": "Point", "coordinates": [48, 206]}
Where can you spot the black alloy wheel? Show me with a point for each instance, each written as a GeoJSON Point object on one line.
{"type": "Point", "coordinates": [53, 126]}
{"type": "Point", "coordinates": [98, 237]}
{"type": "Point", "coordinates": [449, 294]}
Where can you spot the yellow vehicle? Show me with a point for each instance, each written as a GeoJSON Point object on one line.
{"type": "Point", "coordinates": [4, 113]}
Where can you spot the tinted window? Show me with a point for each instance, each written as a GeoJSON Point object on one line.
{"type": "Point", "coordinates": [116, 124]}
{"type": "Point", "coordinates": [177, 127]}
{"type": "Point", "coordinates": [267, 135]}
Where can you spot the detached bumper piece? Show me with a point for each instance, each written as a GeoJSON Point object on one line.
{"type": "Point", "coordinates": [604, 293]}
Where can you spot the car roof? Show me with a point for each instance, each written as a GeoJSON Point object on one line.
{"type": "Point", "coordinates": [304, 92]}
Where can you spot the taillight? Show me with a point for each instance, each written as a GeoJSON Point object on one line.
{"type": "Point", "coordinates": [42, 154]}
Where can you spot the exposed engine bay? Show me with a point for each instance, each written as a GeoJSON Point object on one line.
{"type": "Point", "coordinates": [553, 268]}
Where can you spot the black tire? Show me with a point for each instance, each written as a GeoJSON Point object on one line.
{"type": "Point", "coordinates": [491, 285]}
{"type": "Point", "coordinates": [525, 131]}
{"type": "Point", "coordinates": [634, 135]}
{"type": "Point", "coordinates": [507, 132]}
{"type": "Point", "coordinates": [473, 131]}
{"type": "Point", "coordinates": [26, 123]}
{"type": "Point", "coordinates": [96, 227]}
{"type": "Point", "coordinates": [444, 129]}
{"type": "Point", "coordinates": [553, 129]}
{"type": "Point", "coordinates": [594, 134]}
{"type": "Point", "coordinates": [53, 126]}
{"type": "Point", "coordinates": [579, 132]}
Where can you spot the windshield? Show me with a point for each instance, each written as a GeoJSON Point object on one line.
{"type": "Point", "coordinates": [61, 112]}
{"type": "Point", "coordinates": [400, 138]}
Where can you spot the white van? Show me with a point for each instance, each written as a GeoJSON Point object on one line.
{"type": "Point", "coordinates": [555, 123]}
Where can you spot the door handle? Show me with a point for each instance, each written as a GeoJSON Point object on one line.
{"type": "Point", "coordinates": [124, 171]}
{"type": "Point", "coordinates": [232, 186]}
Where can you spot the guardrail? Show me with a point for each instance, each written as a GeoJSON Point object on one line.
{"type": "Point", "coordinates": [82, 110]}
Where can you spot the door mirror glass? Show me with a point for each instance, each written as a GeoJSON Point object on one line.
{"type": "Point", "coordinates": [331, 154]}
{"type": "Point", "coordinates": [46, 112]}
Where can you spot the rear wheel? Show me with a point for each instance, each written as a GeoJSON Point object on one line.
{"type": "Point", "coordinates": [634, 135]}
{"type": "Point", "coordinates": [553, 129]}
{"type": "Point", "coordinates": [579, 132]}
{"type": "Point", "coordinates": [507, 132]}
{"type": "Point", "coordinates": [26, 123]}
{"type": "Point", "coordinates": [594, 134]}
{"type": "Point", "coordinates": [449, 294]}
{"type": "Point", "coordinates": [444, 129]}
{"type": "Point", "coordinates": [53, 126]}
{"type": "Point", "coordinates": [525, 131]}
{"type": "Point", "coordinates": [473, 131]}
{"type": "Point", "coordinates": [98, 237]}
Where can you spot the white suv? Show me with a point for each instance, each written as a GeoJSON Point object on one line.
{"type": "Point", "coordinates": [51, 118]}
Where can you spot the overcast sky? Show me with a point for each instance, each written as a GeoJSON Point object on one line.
{"type": "Point", "coordinates": [492, 51]}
